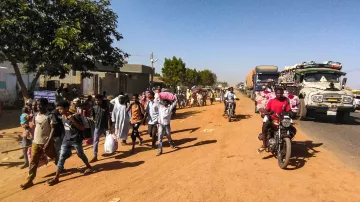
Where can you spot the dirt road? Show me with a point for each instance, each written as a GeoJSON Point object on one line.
{"type": "Point", "coordinates": [217, 161]}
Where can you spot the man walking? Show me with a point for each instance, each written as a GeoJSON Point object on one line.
{"type": "Point", "coordinates": [101, 116]}
{"type": "Point", "coordinates": [41, 135]}
{"type": "Point", "coordinates": [72, 139]}
{"type": "Point", "coordinates": [152, 111]}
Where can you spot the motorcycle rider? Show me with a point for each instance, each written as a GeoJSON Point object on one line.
{"type": "Point", "coordinates": [277, 105]}
{"type": "Point", "coordinates": [230, 95]}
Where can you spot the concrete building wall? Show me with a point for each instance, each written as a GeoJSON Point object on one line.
{"type": "Point", "coordinates": [138, 83]}
{"type": "Point", "coordinates": [110, 84]}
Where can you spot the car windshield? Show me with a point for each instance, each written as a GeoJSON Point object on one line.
{"type": "Point", "coordinates": [322, 77]}
{"type": "Point", "coordinates": [264, 77]}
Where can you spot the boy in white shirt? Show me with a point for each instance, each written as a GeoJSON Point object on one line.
{"type": "Point", "coordinates": [165, 112]}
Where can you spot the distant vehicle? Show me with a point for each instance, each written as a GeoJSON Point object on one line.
{"type": "Point", "coordinates": [356, 99]}
{"type": "Point", "coordinates": [241, 86]}
{"type": "Point", "coordinates": [257, 79]}
{"type": "Point", "coordinates": [357, 102]}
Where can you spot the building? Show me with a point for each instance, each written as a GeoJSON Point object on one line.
{"type": "Point", "coordinates": [131, 79]}
{"type": "Point", "coordinates": [9, 89]}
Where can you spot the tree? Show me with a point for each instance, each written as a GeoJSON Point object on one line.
{"type": "Point", "coordinates": [173, 71]}
{"type": "Point", "coordinates": [157, 74]}
{"type": "Point", "coordinates": [52, 37]}
{"type": "Point", "coordinates": [192, 78]}
{"type": "Point", "coordinates": [207, 78]}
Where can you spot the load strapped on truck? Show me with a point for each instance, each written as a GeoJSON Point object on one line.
{"type": "Point", "coordinates": [287, 76]}
{"type": "Point", "coordinates": [249, 79]}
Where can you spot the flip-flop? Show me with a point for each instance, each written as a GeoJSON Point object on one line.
{"type": "Point", "coordinates": [52, 182]}
{"type": "Point", "coordinates": [88, 171]}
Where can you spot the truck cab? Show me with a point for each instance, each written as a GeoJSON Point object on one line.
{"type": "Point", "coordinates": [321, 90]}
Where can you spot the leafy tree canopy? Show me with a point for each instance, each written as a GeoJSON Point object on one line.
{"type": "Point", "coordinates": [173, 71]}
{"type": "Point", "coordinates": [52, 37]}
{"type": "Point", "coordinates": [207, 78]}
{"type": "Point", "coordinates": [192, 78]}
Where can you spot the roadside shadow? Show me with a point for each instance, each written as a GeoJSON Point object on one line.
{"type": "Point", "coordinates": [66, 172]}
{"type": "Point", "coordinates": [239, 117]}
{"type": "Point", "coordinates": [185, 130]}
{"type": "Point", "coordinates": [301, 152]}
{"type": "Point", "coordinates": [9, 119]}
{"type": "Point", "coordinates": [353, 120]}
{"type": "Point", "coordinates": [11, 164]}
{"type": "Point", "coordinates": [113, 165]}
{"type": "Point", "coordinates": [184, 115]}
{"type": "Point", "coordinates": [174, 132]}
{"type": "Point", "coordinates": [194, 145]}
{"type": "Point", "coordinates": [128, 154]}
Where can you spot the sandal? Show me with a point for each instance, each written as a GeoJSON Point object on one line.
{"type": "Point", "coordinates": [53, 182]}
{"type": "Point", "coordinates": [88, 171]}
{"type": "Point", "coordinates": [26, 185]}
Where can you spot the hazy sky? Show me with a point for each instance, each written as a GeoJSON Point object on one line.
{"type": "Point", "coordinates": [230, 37]}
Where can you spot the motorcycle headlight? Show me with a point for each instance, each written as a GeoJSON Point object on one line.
{"type": "Point", "coordinates": [317, 98]}
{"type": "Point", "coordinates": [347, 99]}
{"type": "Point", "coordinates": [286, 123]}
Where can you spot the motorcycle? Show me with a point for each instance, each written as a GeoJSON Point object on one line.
{"type": "Point", "coordinates": [279, 138]}
{"type": "Point", "coordinates": [230, 109]}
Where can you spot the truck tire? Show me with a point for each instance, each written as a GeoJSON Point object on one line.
{"type": "Point", "coordinates": [302, 110]}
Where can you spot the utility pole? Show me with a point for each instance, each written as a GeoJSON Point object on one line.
{"type": "Point", "coordinates": [153, 69]}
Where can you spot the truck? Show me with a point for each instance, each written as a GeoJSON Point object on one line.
{"type": "Point", "coordinates": [257, 79]}
{"type": "Point", "coordinates": [241, 86]}
{"type": "Point", "coordinates": [320, 87]}
{"type": "Point", "coordinates": [249, 84]}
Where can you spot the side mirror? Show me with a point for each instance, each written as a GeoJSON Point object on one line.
{"type": "Point", "coordinates": [343, 83]}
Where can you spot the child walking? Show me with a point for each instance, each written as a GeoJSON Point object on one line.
{"type": "Point", "coordinates": [25, 119]}
{"type": "Point", "coordinates": [165, 112]}
{"type": "Point", "coordinates": [137, 113]}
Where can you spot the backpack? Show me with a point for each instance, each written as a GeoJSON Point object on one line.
{"type": "Point", "coordinates": [89, 126]}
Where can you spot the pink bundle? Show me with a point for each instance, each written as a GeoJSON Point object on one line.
{"type": "Point", "coordinates": [167, 96]}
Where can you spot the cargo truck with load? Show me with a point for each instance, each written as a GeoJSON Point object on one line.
{"type": "Point", "coordinates": [257, 79]}
{"type": "Point", "coordinates": [320, 89]}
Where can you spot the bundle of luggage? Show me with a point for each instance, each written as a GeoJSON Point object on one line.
{"type": "Point", "coordinates": [263, 97]}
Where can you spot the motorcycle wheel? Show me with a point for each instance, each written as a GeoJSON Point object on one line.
{"type": "Point", "coordinates": [230, 115]}
{"type": "Point", "coordinates": [283, 161]}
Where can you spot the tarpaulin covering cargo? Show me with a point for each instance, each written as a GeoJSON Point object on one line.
{"type": "Point", "coordinates": [266, 68]}
{"type": "Point", "coordinates": [249, 79]}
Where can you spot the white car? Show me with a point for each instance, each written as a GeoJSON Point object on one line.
{"type": "Point", "coordinates": [357, 102]}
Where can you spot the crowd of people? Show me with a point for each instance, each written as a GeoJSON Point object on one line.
{"type": "Point", "coordinates": [52, 131]}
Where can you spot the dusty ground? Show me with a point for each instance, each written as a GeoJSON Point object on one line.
{"type": "Point", "coordinates": [217, 161]}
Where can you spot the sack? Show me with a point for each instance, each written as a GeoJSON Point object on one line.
{"type": "Point", "coordinates": [111, 144]}
{"type": "Point", "coordinates": [166, 96]}
{"type": "Point", "coordinates": [43, 158]}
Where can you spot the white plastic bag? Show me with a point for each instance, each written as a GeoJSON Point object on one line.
{"type": "Point", "coordinates": [111, 144]}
